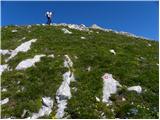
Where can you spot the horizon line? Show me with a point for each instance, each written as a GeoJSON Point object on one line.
{"type": "Point", "coordinates": [103, 28]}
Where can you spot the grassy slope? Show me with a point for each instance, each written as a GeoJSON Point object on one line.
{"type": "Point", "coordinates": [45, 78]}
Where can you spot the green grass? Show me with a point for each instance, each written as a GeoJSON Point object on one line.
{"type": "Point", "coordinates": [46, 76]}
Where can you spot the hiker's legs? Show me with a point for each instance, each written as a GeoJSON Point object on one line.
{"type": "Point", "coordinates": [49, 21]}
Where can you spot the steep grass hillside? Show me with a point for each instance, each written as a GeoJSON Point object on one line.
{"type": "Point", "coordinates": [135, 63]}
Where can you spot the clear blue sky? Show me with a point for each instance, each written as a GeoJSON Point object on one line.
{"type": "Point", "coordinates": [140, 18]}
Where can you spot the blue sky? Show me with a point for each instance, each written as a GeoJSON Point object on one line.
{"type": "Point", "coordinates": [140, 18]}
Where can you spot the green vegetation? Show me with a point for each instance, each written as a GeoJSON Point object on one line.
{"type": "Point", "coordinates": [127, 66]}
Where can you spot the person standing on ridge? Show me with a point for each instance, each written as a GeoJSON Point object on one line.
{"type": "Point", "coordinates": [49, 16]}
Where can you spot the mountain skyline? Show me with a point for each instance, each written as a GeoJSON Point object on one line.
{"type": "Point", "coordinates": [139, 18]}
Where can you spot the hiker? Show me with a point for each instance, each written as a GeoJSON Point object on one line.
{"type": "Point", "coordinates": [48, 15]}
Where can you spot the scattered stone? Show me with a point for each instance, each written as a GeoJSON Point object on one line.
{"type": "Point", "coordinates": [145, 90]}
{"type": "Point", "coordinates": [29, 26]}
{"type": "Point", "coordinates": [138, 89]}
{"type": "Point", "coordinates": [12, 117]}
{"type": "Point", "coordinates": [89, 68]}
{"type": "Point", "coordinates": [22, 88]}
{"type": "Point", "coordinates": [24, 47]}
{"type": "Point", "coordinates": [14, 31]}
{"type": "Point", "coordinates": [24, 113]}
{"type": "Point", "coordinates": [97, 99]}
{"type": "Point", "coordinates": [23, 38]}
{"type": "Point", "coordinates": [102, 115]}
{"type": "Point", "coordinates": [18, 91]}
{"type": "Point", "coordinates": [128, 113]}
{"type": "Point", "coordinates": [107, 104]}
{"type": "Point", "coordinates": [47, 101]}
{"type": "Point", "coordinates": [3, 68]}
{"type": "Point", "coordinates": [138, 105]}
{"type": "Point", "coordinates": [94, 26]}
{"type": "Point", "coordinates": [75, 57]}
{"type": "Point", "coordinates": [4, 90]}
{"type": "Point", "coordinates": [28, 62]}
{"type": "Point", "coordinates": [67, 62]}
{"type": "Point", "coordinates": [4, 101]}
{"type": "Point", "coordinates": [74, 88]}
{"type": "Point", "coordinates": [142, 58]}
{"type": "Point", "coordinates": [64, 89]}
{"type": "Point", "coordinates": [52, 55]}
{"type": "Point", "coordinates": [9, 69]}
{"type": "Point", "coordinates": [66, 31]}
{"type": "Point", "coordinates": [46, 108]}
{"type": "Point", "coordinates": [123, 99]}
{"type": "Point", "coordinates": [78, 27]}
{"type": "Point", "coordinates": [149, 45]}
{"type": "Point", "coordinates": [112, 51]}
{"type": "Point", "coordinates": [18, 82]}
{"type": "Point", "coordinates": [64, 93]}
{"type": "Point", "coordinates": [4, 52]}
{"type": "Point", "coordinates": [112, 109]}
{"type": "Point", "coordinates": [83, 38]}
{"type": "Point", "coordinates": [134, 111]}
{"type": "Point", "coordinates": [141, 107]}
